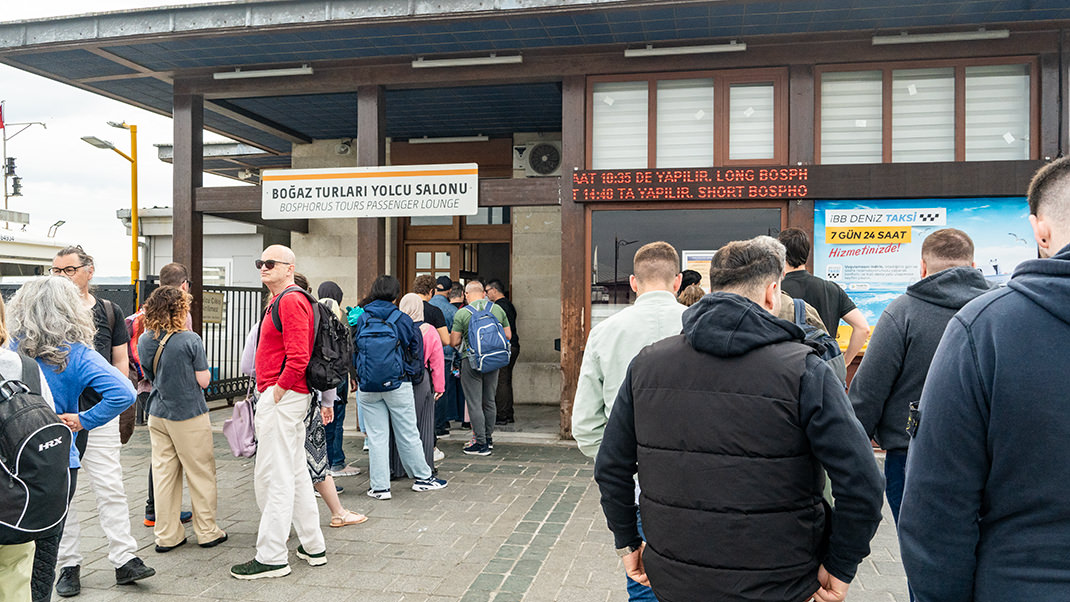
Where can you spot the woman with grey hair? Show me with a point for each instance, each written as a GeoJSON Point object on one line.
{"type": "Point", "coordinates": [48, 323]}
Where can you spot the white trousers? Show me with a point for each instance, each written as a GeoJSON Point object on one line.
{"type": "Point", "coordinates": [101, 468]}
{"type": "Point", "coordinates": [283, 485]}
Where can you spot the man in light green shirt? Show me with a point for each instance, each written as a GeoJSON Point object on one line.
{"type": "Point", "coordinates": [479, 387]}
{"type": "Point", "coordinates": [655, 315]}
{"type": "Point", "coordinates": [613, 343]}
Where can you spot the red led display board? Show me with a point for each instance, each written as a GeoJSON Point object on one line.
{"type": "Point", "coordinates": [693, 184]}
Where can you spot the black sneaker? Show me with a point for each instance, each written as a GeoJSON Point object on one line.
{"type": "Point", "coordinates": [69, 583]}
{"type": "Point", "coordinates": [490, 443]}
{"type": "Point", "coordinates": [476, 449]}
{"type": "Point", "coordinates": [132, 571]}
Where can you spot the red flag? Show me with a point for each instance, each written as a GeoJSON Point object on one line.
{"type": "Point", "coordinates": [1, 117]}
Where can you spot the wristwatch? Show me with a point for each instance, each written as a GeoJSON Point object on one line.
{"type": "Point", "coordinates": [622, 552]}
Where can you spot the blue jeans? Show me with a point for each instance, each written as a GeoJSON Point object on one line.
{"type": "Point", "coordinates": [636, 592]}
{"type": "Point", "coordinates": [397, 410]}
{"type": "Point", "coordinates": [895, 464]}
{"type": "Point", "coordinates": [336, 458]}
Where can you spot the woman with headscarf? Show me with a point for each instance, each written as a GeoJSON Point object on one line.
{"type": "Point", "coordinates": [428, 390]}
{"type": "Point", "coordinates": [330, 295]}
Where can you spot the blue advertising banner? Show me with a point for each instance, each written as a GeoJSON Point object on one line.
{"type": "Point", "coordinates": [873, 248]}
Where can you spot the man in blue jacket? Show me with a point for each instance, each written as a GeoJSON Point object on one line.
{"type": "Point", "coordinates": [985, 506]}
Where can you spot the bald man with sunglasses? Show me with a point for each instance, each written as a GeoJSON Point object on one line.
{"type": "Point", "coordinates": [283, 485]}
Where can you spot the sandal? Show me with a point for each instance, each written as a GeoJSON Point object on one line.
{"type": "Point", "coordinates": [347, 518]}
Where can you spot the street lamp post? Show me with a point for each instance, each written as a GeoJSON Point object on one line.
{"type": "Point", "coordinates": [617, 244]}
{"type": "Point", "coordinates": [135, 265]}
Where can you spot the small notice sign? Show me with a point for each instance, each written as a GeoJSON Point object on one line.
{"type": "Point", "coordinates": [212, 307]}
{"type": "Point", "coordinates": [393, 191]}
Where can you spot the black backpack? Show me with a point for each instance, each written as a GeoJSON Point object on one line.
{"type": "Point", "coordinates": [822, 342]}
{"type": "Point", "coordinates": [331, 348]}
{"type": "Point", "coordinates": [35, 451]}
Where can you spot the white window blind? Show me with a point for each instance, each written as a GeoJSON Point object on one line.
{"type": "Point", "coordinates": [750, 121]}
{"type": "Point", "coordinates": [619, 132]}
{"type": "Point", "coordinates": [923, 115]}
{"type": "Point", "coordinates": [851, 103]}
{"type": "Point", "coordinates": [685, 123]}
{"type": "Point", "coordinates": [997, 113]}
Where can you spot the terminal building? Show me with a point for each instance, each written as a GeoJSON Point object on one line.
{"type": "Point", "coordinates": [597, 126]}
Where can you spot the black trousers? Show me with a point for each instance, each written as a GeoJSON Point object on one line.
{"type": "Point", "coordinates": [503, 397]}
{"type": "Point", "coordinates": [44, 556]}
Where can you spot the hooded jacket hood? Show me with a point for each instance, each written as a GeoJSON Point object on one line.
{"type": "Point", "coordinates": [380, 309]}
{"type": "Point", "coordinates": [727, 325]}
{"type": "Point", "coordinates": [1046, 282]}
{"type": "Point", "coordinates": [951, 288]}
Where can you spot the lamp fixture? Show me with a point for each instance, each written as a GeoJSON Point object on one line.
{"type": "Point", "coordinates": [475, 61]}
{"type": "Point", "coordinates": [239, 74]}
{"type": "Point", "coordinates": [445, 139]}
{"type": "Point", "coordinates": [97, 142]}
{"type": "Point", "coordinates": [733, 46]}
{"type": "Point", "coordinates": [946, 36]}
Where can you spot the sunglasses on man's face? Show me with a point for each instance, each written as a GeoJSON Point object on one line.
{"type": "Point", "coordinates": [270, 264]}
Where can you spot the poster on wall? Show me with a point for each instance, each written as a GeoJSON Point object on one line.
{"type": "Point", "coordinates": [873, 248]}
{"type": "Point", "coordinates": [700, 262]}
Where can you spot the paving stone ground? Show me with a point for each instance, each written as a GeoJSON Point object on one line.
{"type": "Point", "coordinates": [521, 525]}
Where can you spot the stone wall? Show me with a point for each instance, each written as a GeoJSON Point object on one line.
{"type": "Point", "coordinates": [536, 293]}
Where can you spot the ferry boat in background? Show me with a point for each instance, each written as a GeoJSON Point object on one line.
{"type": "Point", "coordinates": [25, 254]}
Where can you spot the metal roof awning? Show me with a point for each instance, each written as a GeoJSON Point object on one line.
{"type": "Point", "coordinates": [138, 56]}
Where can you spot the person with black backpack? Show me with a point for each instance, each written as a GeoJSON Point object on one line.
{"type": "Point", "coordinates": [49, 324]}
{"type": "Point", "coordinates": [388, 354]}
{"type": "Point", "coordinates": [32, 441]}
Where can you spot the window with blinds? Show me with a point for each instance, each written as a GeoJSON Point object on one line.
{"type": "Point", "coordinates": [751, 121]}
{"type": "Point", "coordinates": [997, 112]}
{"type": "Point", "coordinates": [995, 99]}
{"type": "Point", "coordinates": [923, 115]}
{"type": "Point", "coordinates": [685, 123]}
{"type": "Point", "coordinates": [619, 129]}
{"type": "Point", "coordinates": [851, 117]}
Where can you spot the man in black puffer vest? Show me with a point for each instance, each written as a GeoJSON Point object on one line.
{"type": "Point", "coordinates": [730, 425]}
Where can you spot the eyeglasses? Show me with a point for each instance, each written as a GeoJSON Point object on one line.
{"type": "Point", "coordinates": [70, 270]}
{"type": "Point", "coordinates": [270, 264]}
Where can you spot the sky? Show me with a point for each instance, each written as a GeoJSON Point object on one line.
{"type": "Point", "coordinates": [64, 178]}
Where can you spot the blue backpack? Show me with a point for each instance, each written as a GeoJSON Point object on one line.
{"type": "Point", "coordinates": [380, 359]}
{"type": "Point", "coordinates": [486, 340]}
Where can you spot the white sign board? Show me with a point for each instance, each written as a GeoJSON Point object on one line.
{"type": "Point", "coordinates": [394, 191]}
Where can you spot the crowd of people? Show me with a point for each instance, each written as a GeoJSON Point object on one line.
{"type": "Point", "coordinates": [95, 363]}
{"type": "Point", "coordinates": [715, 428]}
{"type": "Point", "coordinates": [713, 424]}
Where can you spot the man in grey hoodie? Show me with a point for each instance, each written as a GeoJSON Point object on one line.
{"type": "Point", "coordinates": [893, 371]}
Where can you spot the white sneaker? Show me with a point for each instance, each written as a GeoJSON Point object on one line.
{"type": "Point", "coordinates": [348, 471]}
{"type": "Point", "coordinates": [380, 494]}
{"type": "Point", "coordinates": [438, 455]}
{"type": "Point", "coordinates": [365, 444]}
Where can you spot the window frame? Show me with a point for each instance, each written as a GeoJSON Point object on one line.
{"type": "Point", "coordinates": [959, 65]}
{"type": "Point", "coordinates": [722, 80]}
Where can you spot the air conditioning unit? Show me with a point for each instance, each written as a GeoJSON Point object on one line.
{"type": "Point", "coordinates": [538, 159]}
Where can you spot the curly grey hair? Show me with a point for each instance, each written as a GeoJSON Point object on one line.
{"type": "Point", "coordinates": [46, 317]}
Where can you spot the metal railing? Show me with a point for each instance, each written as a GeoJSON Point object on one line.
{"type": "Point", "coordinates": [223, 339]}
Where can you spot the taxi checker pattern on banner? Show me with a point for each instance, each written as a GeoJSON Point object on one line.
{"type": "Point", "coordinates": [393, 191]}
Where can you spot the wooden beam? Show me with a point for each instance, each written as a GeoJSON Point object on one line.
{"type": "Point", "coordinates": [526, 192]}
{"type": "Point", "coordinates": [188, 223]}
{"type": "Point", "coordinates": [371, 151]}
{"type": "Point", "coordinates": [1051, 110]}
{"type": "Point", "coordinates": [801, 115]}
{"type": "Point", "coordinates": [573, 237]}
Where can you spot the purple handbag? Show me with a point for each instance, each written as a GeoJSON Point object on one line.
{"type": "Point", "coordinates": [239, 429]}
